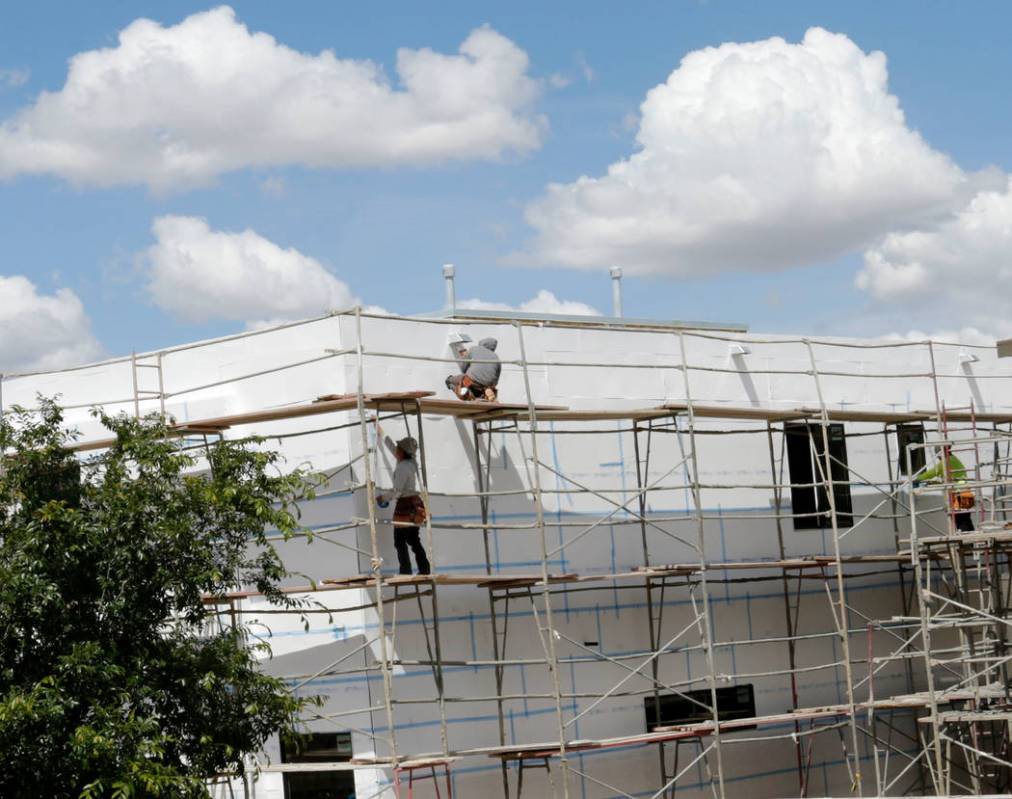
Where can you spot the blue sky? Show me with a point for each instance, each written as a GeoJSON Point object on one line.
{"type": "Point", "coordinates": [384, 230]}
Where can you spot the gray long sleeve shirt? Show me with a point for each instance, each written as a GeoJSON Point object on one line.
{"type": "Point", "coordinates": [404, 477]}
{"type": "Point", "coordinates": [484, 374]}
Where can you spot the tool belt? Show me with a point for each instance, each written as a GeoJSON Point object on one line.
{"type": "Point", "coordinates": [464, 390]}
{"type": "Point", "coordinates": [410, 510]}
{"type": "Point", "coordinates": [469, 390]}
{"type": "Point", "coordinates": [961, 500]}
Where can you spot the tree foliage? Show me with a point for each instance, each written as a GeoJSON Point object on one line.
{"type": "Point", "coordinates": [112, 681]}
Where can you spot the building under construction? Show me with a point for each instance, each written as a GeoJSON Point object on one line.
{"type": "Point", "coordinates": [673, 559]}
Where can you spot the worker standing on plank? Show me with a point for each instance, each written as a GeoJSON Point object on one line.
{"type": "Point", "coordinates": [479, 372]}
{"type": "Point", "coordinates": [409, 510]}
{"type": "Point", "coordinates": [961, 501]}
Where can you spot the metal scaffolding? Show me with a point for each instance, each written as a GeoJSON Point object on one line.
{"type": "Point", "coordinates": [947, 732]}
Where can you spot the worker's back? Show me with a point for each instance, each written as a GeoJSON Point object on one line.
{"type": "Point", "coordinates": [484, 366]}
{"type": "Point", "coordinates": [957, 471]}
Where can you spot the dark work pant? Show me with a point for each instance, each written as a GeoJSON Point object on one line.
{"type": "Point", "coordinates": [964, 521]}
{"type": "Point", "coordinates": [405, 537]}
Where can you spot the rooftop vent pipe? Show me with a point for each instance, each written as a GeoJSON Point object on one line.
{"type": "Point", "coordinates": [616, 292]}
{"type": "Point", "coordinates": [449, 271]}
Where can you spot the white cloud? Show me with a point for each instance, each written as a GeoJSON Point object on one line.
{"type": "Point", "coordinates": [753, 156]}
{"type": "Point", "coordinates": [957, 273]}
{"type": "Point", "coordinates": [199, 274]}
{"type": "Point", "coordinates": [179, 105]}
{"type": "Point", "coordinates": [543, 302]}
{"type": "Point", "coordinates": [13, 78]}
{"type": "Point", "coordinates": [40, 331]}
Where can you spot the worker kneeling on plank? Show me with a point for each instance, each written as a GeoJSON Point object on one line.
{"type": "Point", "coordinates": [409, 510]}
{"type": "Point", "coordinates": [961, 501]}
{"type": "Point", "coordinates": [479, 372]}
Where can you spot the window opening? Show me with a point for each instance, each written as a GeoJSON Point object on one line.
{"type": "Point", "coordinates": [907, 434]}
{"type": "Point", "coordinates": [319, 747]}
{"type": "Point", "coordinates": [806, 462]}
{"type": "Point", "coordinates": [733, 702]}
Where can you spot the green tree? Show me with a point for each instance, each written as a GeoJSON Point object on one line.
{"type": "Point", "coordinates": [112, 681]}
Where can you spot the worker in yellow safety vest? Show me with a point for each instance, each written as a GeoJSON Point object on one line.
{"type": "Point", "coordinates": [961, 501]}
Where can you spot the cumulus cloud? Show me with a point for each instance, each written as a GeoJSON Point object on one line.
{"type": "Point", "coordinates": [770, 154]}
{"type": "Point", "coordinates": [543, 302]}
{"type": "Point", "coordinates": [42, 331]}
{"type": "Point", "coordinates": [200, 274]}
{"type": "Point", "coordinates": [179, 105]}
{"type": "Point", "coordinates": [753, 156]}
{"type": "Point", "coordinates": [955, 273]}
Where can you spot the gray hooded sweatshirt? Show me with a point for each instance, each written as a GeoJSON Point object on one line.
{"type": "Point", "coordinates": [484, 374]}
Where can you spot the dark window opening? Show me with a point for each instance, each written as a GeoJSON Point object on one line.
{"type": "Point", "coordinates": [319, 747]}
{"type": "Point", "coordinates": [907, 434]}
{"type": "Point", "coordinates": [691, 707]}
{"type": "Point", "coordinates": [806, 460]}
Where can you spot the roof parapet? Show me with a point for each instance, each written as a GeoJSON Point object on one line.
{"type": "Point", "coordinates": [563, 320]}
